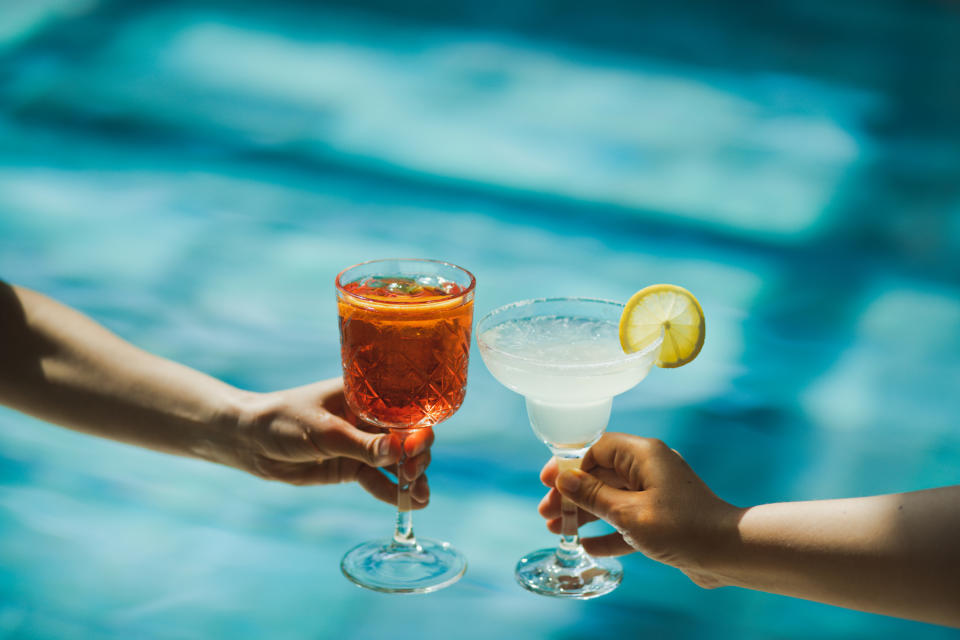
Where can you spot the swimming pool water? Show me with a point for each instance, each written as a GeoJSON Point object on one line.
{"type": "Point", "coordinates": [194, 174]}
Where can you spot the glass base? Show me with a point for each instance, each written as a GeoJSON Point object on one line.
{"type": "Point", "coordinates": [384, 565]}
{"type": "Point", "coordinates": [575, 575]}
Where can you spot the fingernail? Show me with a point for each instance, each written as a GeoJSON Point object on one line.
{"type": "Point", "coordinates": [384, 447]}
{"type": "Point", "coordinates": [568, 481]}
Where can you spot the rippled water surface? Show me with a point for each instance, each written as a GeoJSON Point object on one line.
{"type": "Point", "coordinates": [194, 174]}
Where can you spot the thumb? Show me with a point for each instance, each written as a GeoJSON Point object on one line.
{"type": "Point", "coordinates": [376, 450]}
{"type": "Point", "coordinates": [591, 494]}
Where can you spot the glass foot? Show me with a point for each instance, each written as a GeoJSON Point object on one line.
{"type": "Point", "coordinates": [383, 565]}
{"type": "Point", "coordinates": [578, 576]}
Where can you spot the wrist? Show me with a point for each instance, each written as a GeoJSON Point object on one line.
{"type": "Point", "coordinates": [716, 549]}
{"type": "Point", "coordinates": [223, 438]}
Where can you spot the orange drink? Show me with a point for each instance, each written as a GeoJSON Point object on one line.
{"type": "Point", "coordinates": [405, 344]}
{"type": "Point", "coordinates": [405, 348]}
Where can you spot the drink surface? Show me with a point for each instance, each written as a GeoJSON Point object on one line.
{"type": "Point", "coordinates": [402, 290]}
{"type": "Point", "coordinates": [405, 345]}
{"type": "Point", "coordinates": [577, 360]}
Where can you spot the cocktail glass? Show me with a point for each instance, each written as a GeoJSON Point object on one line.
{"type": "Point", "coordinates": [564, 356]}
{"type": "Point", "coordinates": [405, 342]}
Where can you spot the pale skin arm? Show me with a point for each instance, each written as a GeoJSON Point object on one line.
{"type": "Point", "coordinates": [896, 554]}
{"type": "Point", "coordinates": [62, 367]}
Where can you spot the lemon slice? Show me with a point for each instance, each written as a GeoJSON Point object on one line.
{"type": "Point", "coordinates": [676, 311]}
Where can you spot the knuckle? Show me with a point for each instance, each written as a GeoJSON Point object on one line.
{"type": "Point", "coordinates": [657, 445]}
{"type": "Point", "coordinates": [591, 493]}
{"type": "Point", "coordinates": [621, 515]}
{"type": "Point", "coordinates": [317, 437]}
{"type": "Point", "coordinates": [647, 448]}
{"type": "Point", "coordinates": [614, 515]}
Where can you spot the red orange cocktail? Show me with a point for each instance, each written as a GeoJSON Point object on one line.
{"type": "Point", "coordinates": [405, 348]}
{"type": "Point", "coordinates": [405, 341]}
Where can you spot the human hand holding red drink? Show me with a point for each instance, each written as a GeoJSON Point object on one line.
{"type": "Point", "coordinates": [93, 381]}
{"type": "Point", "coordinates": [308, 435]}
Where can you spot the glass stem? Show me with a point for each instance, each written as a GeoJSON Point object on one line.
{"type": "Point", "coordinates": [403, 533]}
{"type": "Point", "coordinates": [569, 552]}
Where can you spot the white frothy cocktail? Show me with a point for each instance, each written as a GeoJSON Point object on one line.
{"type": "Point", "coordinates": [568, 368]}
{"type": "Point", "coordinates": [564, 356]}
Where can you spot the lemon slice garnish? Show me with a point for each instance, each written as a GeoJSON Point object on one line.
{"type": "Point", "coordinates": [671, 309]}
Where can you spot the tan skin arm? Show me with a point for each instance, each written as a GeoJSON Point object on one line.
{"type": "Point", "coordinates": [896, 554]}
{"type": "Point", "coordinates": [62, 367]}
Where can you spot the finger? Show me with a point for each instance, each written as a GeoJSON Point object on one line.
{"type": "Point", "coordinates": [555, 525]}
{"type": "Point", "coordinates": [417, 441]}
{"type": "Point", "coordinates": [332, 399]}
{"type": "Point", "coordinates": [611, 544]}
{"type": "Point", "coordinates": [639, 461]}
{"type": "Point", "coordinates": [382, 488]}
{"type": "Point", "coordinates": [549, 506]}
{"type": "Point", "coordinates": [608, 477]}
{"type": "Point", "coordinates": [339, 438]}
{"type": "Point", "coordinates": [589, 493]}
{"type": "Point", "coordinates": [420, 491]}
{"type": "Point", "coordinates": [548, 475]}
{"type": "Point", "coordinates": [550, 509]}
{"type": "Point", "coordinates": [414, 467]}
{"type": "Point", "coordinates": [377, 484]}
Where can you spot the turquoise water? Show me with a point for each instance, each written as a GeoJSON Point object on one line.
{"type": "Point", "coordinates": [194, 174]}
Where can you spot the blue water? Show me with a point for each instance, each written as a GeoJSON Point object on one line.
{"type": "Point", "coordinates": [194, 174]}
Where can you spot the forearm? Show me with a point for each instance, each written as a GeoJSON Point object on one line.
{"type": "Point", "coordinates": [61, 366]}
{"type": "Point", "coordinates": [896, 554]}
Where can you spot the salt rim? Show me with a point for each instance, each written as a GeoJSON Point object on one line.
{"type": "Point", "coordinates": [554, 366]}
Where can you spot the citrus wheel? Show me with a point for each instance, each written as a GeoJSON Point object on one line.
{"type": "Point", "coordinates": [669, 308]}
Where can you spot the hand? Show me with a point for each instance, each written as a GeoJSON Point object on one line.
{"type": "Point", "coordinates": [308, 435]}
{"type": "Point", "coordinates": [658, 505]}
{"type": "Point", "coordinates": [63, 367]}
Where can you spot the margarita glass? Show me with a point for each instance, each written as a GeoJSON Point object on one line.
{"type": "Point", "coordinates": [405, 342]}
{"type": "Point", "coordinates": [564, 356]}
